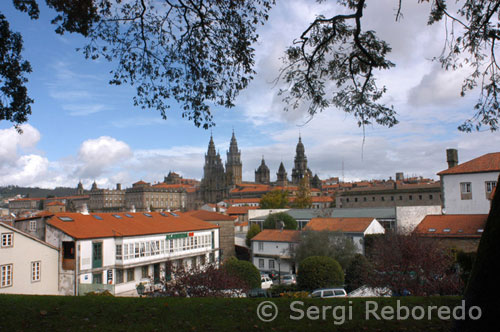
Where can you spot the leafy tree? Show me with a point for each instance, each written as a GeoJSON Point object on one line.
{"type": "Point", "coordinates": [319, 271]}
{"type": "Point", "coordinates": [252, 231]}
{"type": "Point", "coordinates": [325, 243]}
{"type": "Point", "coordinates": [272, 221]}
{"type": "Point", "coordinates": [358, 273]}
{"type": "Point", "coordinates": [275, 199]}
{"type": "Point", "coordinates": [483, 280]}
{"type": "Point", "coordinates": [243, 270]}
{"type": "Point", "coordinates": [197, 53]}
{"type": "Point", "coordinates": [303, 198]}
{"type": "Point", "coordinates": [14, 101]}
{"type": "Point", "coordinates": [418, 265]}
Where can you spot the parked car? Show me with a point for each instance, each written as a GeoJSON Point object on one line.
{"type": "Point", "coordinates": [288, 279]}
{"type": "Point", "coordinates": [329, 292]}
{"type": "Point", "coordinates": [365, 291]}
{"type": "Point", "coordinates": [257, 292]}
{"type": "Point", "coordinates": [266, 282]}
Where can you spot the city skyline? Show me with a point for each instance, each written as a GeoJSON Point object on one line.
{"type": "Point", "coordinates": [84, 129]}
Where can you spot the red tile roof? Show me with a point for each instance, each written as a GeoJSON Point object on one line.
{"type": "Point", "coordinates": [486, 163]}
{"type": "Point", "coordinates": [243, 200]}
{"type": "Point", "coordinates": [35, 215]}
{"type": "Point", "coordinates": [88, 227]}
{"type": "Point", "coordinates": [459, 225]}
{"type": "Point", "coordinates": [208, 215]}
{"type": "Point", "coordinates": [276, 235]}
{"type": "Point", "coordinates": [348, 225]}
{"type": "Point", "coordinates": [55, 203]}
{"type": "Point", "coordinates": [239, 209]}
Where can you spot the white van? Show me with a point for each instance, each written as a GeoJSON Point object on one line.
{"type": "Point", "coordinates": [329, 292]}
{"type": "Point", "coordinates": [265, 282]}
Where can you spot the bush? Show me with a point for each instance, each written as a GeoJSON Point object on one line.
{"type": "Point", "coordinates": [243, 270]}
{"type": "Point", "coordinates": [272, 220]}
{"type": "Point", "coordinates": [252, 231]}
{"type": "Point", "coordinates": [318, 272]}
{"type": "Point", "coordinates": [358, 273]}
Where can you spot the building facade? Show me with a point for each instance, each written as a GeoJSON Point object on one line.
{"type": "Point", "coordinates": [106, 200]}
{"type": "Point", "coordinates": [272, 250]}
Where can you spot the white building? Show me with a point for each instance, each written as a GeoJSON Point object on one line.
{"type": "Point", "coordinates": [272, 250]}
{"type": "Point", "coordinates": [354, 228]}
{"type": "Point", "coordinates": [467, 187]}
{"type": "Point", "coordinates": [27, 264]}
{"type": "Point", "coordinates": [117, 251]}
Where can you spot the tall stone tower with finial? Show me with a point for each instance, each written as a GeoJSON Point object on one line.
{"type": "Point", "coordinates": [282, 179]}
{"type": "Point", "coordinates": [79, 189]}
{"type": "Point", "coordinates": [213, 185]}
{"type": "Point", "coordinates": [300, 169]}
{"type": "Point", "coordinates": [262, 174]}
{"type": "Point", "coordinates": [233, 163]}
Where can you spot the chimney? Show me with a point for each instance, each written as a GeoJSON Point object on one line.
{"type": "Point", "coordinates": [399, 176]}
{"type": "Point", "coordinates": [84, 209]}
{"type": "Point", "coordinates": [452, 157]}
{"type": "Point", "coordinates": [118, 186]}
{"type": "Point", "coordinates": [132, 208]}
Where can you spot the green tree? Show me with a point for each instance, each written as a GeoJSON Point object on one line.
{"type": "Point", "coordinates": [199, 53]}
{"type": "Point", "coordinates": [325, 243]}
{"type": "Point", "coordinates": [275, 199]}
{"type": "Point", "coordinates": [272, 221]}
{"type": "Point", "coordinates": [303, 198]}
{"type": "Point", "coordinates": [358, 273]}
{"type": "Point", "coordinates": [244, 270]}
{"type": "Point", "coordinates": [252, 231]}
{"type": "Point", "coordinates": [319, 271]}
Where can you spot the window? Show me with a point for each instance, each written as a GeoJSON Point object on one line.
{"type": "Point", "coordinates": [420, 197]}
{"type": "Point", "coordinates": [125, 251]}
{"type": "Point", "coordinates": [130, 275]}
{"type": "Point", "coordinates": [489, 187]}
{"type": "Point", "coordinates": [7, 240]}
{"type": "Point", "coordinates": [271, 264]}
{"type": "Point", "coordinates": [430, 196]}
{"type": "Point", "coordinates": [97, 278]}
{"type": "Point", "coordinates": [35, 271]}
{"type": "Point", "coordinates": [364, 199]}
{"type": "Point", "coordinates": [400, 198]}
{"type": "Point", "coordinates": [6, 275]}
{"type": "Point", "coordinates": [261, 246]}
{"type": "Point", "coordinates": [119, 252]}
{"type": "Point", "coordinates": [261, 263]}
{"type": "Point", "coordinates": [392, 198]}
{"type": "Point", "coordinates": [33, 225]}
{"type": "Point", "coordinates": [144, 272]}
{"type": "Point", "coordinates": [383, 198]}
{"type": "Point", "coordinates": [119, 276]}
{"type": "Point", "coordinates": [410, 197]}
{"type": "Point", "coordinates": [355, 199]}
{"type": "Point", "coordinates": [465, 190]}
{"type": "Point", "coordinates": [373, 198]}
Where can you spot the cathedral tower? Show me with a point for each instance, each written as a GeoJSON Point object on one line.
{"type": "Point", "coordinates": [262, 174]}
{"type": "Point", "coordinates": [213, 184]}
{"type": "Point", "coordinates": [233, 163]}
{"type": "Point", "coordinates": [282, 180]}
{"type": "Point", "coordinates": [300, 170]}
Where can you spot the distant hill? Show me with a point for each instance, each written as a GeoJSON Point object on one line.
{"type": "Point", "coordinates": [11, 191]}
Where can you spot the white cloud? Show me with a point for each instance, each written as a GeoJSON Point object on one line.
{"type": "Point", "coordinates": [99, 155]}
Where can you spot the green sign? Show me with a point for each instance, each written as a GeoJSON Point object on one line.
{"type": "Point", "coordinates": [176, 236]}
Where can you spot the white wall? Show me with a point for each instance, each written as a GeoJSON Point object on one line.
{"type": "Point", "coordinates": [24, 251]}
{"type": "Point", "coordinates": [479, 204]}
{"type": "Point", "coordinates": [408, 217]}
{"type": "Point", "coordinates": [263, 212]}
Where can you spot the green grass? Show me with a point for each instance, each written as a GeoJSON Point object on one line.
{"type": "Point", "coordinates": [58, 313]}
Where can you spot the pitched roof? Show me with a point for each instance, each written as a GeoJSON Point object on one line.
{"type": "Point", "coordinates": [243, 200]}
{"type": "Point", "coordinates": [36, 215]}
{"type": "Point", "coordinates": [486, 163]}
{"type": "Point", "coordinates": [276, 235]}
{"type": "Point", "coordinates": [239, 209]}
{"type": "Point", "coordinates": [452, 225]}
{"type": "Point", "coordinates": [348, 225]}
{"type": "Point", "coordinates": [27, 235]}
{"type": "Point", "coordinates": [88, 226]}
{"type": "Point", "coordinates": [209, 215]}
{"type": "Point", "coordinates": [55, 203]}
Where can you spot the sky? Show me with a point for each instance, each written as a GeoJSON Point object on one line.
{"type": "Point", "coordinates": [83, 129]}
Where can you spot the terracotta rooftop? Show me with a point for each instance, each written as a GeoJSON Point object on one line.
{"type": "Point", "coordinates": [55, 203]}
{"type": "Point", "coordinates": [348, 225]}
{"type": "Point", "coordinates": [208, 215]}
{"type": "Point", "coordinates": [452, 225]}
{"type": "Point", "coordinates": [35, 215]}
{"type": "Point", "coordinates": [251, 188]}
{"type": "Point", "coordinates": [99, 225]}
{"type": "Point", "coordinates": [239, 209]}
{"type": "Point", "coordinates": [486, 163]}
{"type": "Point", "coordinates": [51, 198]}
{"type": "Point", "coordinates": [276, 235]}
{"type": "Point", "coordinates": [243, 200]}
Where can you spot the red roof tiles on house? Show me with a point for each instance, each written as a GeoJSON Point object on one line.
{"type": "Point", "coordinates": [276, 235]}
{"type": "Point", "coordinates": [452, 225]}
{"type": "Point", "coordinates": [239, 209]}
{"type": "Point", "coordinates": [56, 203]}
{"type": "Point", "coordinates": [348, 225]}
{"type": "Point", "coordinates": [486, 163]}
{"type": "Point", "coordinates": [88, 227]}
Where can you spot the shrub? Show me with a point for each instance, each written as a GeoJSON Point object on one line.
{"type": "Point", "coordinates": [319, 271]}
{"type": "Point", "coordinates": [358, 272]}
{"type": "Point", "coordinates": [244, 270]}
{"type": "Point", "coordinates": [252, 231]}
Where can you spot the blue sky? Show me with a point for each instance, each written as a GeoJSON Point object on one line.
{"type": "Point", "coordinates": [82, 128]}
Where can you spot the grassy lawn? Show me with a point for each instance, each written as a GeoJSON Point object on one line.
{"type": "Point", "coordinates": [92, 313]}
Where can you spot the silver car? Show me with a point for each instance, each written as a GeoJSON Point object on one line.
{"type": "Point", "coordinates": [329, 292]}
